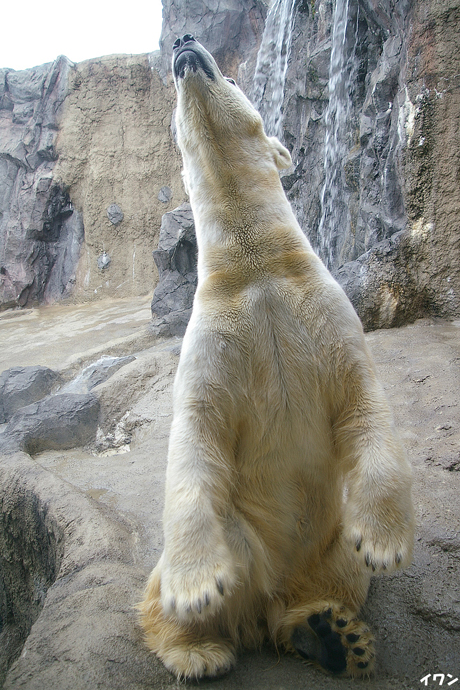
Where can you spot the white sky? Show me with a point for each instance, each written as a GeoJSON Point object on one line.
{"type": "Point", "coordinates": [33, 32]}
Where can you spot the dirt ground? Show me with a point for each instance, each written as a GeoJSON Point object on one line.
{"type": "Point", "coordinates": [415, 615]}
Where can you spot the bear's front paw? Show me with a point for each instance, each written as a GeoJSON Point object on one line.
{"type": "Point", "coordinates": [195, 591]}
{"type": "Point", "coordinates": [379, 546]}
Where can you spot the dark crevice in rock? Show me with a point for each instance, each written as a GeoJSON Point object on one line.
{"type": "Point", "coordinates": [31, 548]}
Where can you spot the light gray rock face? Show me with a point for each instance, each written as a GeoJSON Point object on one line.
{"type": "Point", "coordinates": [176, 260]}
{"type": "Point", "coordinates": [103, 261]}
{"type": "Point", "coordinates": [95, 374]}
{"type": "Point", "coordinates": [165, 194]}
{"type": "Point", "coordinates": [346, 131]}
{"type": "Point", "coordinates": [368, 111]}
{"type": "Point", "coordinates": [57, 543]}
{"type": "Point", "coordinates": [21, 386]}
{"type": "Point", "coordinates": [230, 29]}
{"type": "Point", "coordinates": [40, 232]}
{"type": "Point", "coordinates": [115, 214]}
{"type": "Point", "coordinates": [56, 422]}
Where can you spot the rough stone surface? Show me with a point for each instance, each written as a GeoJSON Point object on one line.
{"type": "Point", "coordinates": [115, 146]}
{"type": "Point", "coordinates": [230, 29]}
{"type": "Point", "coordinates": [40, 235]}
{"type": "Point", "coordinates": [86, 635]}
{"type": "Point", "coordinates": [115, 214]}
{"type": "Point", "coordinates": [57, 421]}
{"type": "Point", "coordinates": [90, 518]}
{"type": "Point", "coordinates": [176, 260]}
{"type": "Point", "coordinates": [21, 386]}
{"type": "Point", "coordinates": [30, 557]}
{"type": "Point", "coordinates": [76, 138]}
{"type": "Point", "coordinates": [72, 139]}
{"type": "Point", "coordinates": [405, 60]}
{"type": "Point", "coordinates": [165, 194]}
{"type": "Point", "coordinates": [95, 374]}
{"type": "Point", "coordinates": [103, 261]}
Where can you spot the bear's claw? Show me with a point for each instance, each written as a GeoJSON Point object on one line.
{"type": "Point", "coordinates": [336, 640]}
{"type": "Point", "coordinates": [194, 595]}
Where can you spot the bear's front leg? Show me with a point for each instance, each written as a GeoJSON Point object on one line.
{"type": "Point", "coordinates": [378, 518]}
{"type": "Point", "coordinates": [198, 571]}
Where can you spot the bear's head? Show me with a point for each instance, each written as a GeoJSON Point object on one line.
{"type": "Point", "coordinates": [218, 128]}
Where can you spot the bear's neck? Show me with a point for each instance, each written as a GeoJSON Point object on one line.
{"type": "Point", "coordinates": [241, 224]}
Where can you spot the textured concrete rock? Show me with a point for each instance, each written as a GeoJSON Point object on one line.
{"type": "Point", "coordinates": [58, 421]}
{"type": "Point", "coordinates": [382, 283]}
{"type": "Point", "coordinates": [115, 147]}
{"type": "Point", "coordinates": [30, 557]}
{"type": "Point", "coordinates": [96, 373]}
{"type": "Point", "coordinates": [115, 214]}
{"type": "Point", "coordinates": [368, 201]}
{"type": "Point", "coordinates": [21, 386]}
{"type": "Point", "coordinates": [165, 194]}
{"type": "Point", "coordinates": [230, 29]}
{"type": "Point", "coordinates": [176, 259]}
{"type": "Point", "coordinates": [76, 559]}
{"type": "Point", "coordinates": [103, 261]}
{"type": "Point", "coordinates": [40, 241]}
{"type": "Point", "coordinates": [397, 172]}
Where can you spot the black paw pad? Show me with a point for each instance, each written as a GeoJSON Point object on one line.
{"type": "Point", "coordinates": [329, 651]}
{"type": "Point", "coordinates": [359, 651]}
{"type": "Point", "coordinates": [352, 637]}
{"type": "Point", "coordinates": [323, 629]}
{"type": "Point", "coordinates": [314, 620]}
{"type": "Point", "coordinates": [341, 622]}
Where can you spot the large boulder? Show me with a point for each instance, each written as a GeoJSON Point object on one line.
{"type": "Point", "coordinates": [57, 422]}
{"type": "Point", "coordinates": [21, 386]}
{"type": "Point", "coordinates": [176, 260]}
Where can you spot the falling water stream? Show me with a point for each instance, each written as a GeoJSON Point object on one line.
{"type": "Point", "coordinates": [342, 75]}
{"type": "Point", "coordinates": [271, 67]}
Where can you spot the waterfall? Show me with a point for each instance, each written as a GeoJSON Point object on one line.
{"type": "Point", "coordinates": [335, 217]}
{"type": "Point", "coordinates": [272, 62]}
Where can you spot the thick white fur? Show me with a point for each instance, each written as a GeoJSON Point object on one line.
{"type": "Point", "coordinates": [286, 484]}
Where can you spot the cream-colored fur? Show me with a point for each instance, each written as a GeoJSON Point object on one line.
{"type": "Point", "coordinates": [286, 485]}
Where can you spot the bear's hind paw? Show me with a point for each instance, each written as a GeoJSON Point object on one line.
{"type": "Point", "coordinates": [336, 640]}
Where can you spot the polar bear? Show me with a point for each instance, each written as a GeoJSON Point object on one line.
{"type": "Point", "coordinates": [286, 485]}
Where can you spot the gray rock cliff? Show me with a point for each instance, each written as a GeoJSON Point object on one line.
{"type": "Point", "coordinates": [363, 93]}
{"type": "Point", "coordinates": [366, 99]}
{"type": "Point", "coordinates": [40, 231]}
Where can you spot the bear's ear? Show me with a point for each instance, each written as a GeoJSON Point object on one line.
{"type": "Point", "coordinates": [282, 156]}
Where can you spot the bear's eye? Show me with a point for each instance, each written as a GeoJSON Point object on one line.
{"type": "Point", "coordinates": [231, 81]}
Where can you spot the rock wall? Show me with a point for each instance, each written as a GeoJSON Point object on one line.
{"type": "Point", "coordinates": [40, 232]}
{"type": "Point", "coordinates": [116, 150]}
{"type": "Point", "coordinates": [370, 114]}
{"type": "Point", "coordinates": [78, 142]}
{"type": "Point", "coordinates": [369, 110]}
{"type": "Point", "coordinates": [385, 221]}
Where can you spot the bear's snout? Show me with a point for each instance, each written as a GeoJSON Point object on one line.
{"type": "Point", "coordinates": [188, 53]}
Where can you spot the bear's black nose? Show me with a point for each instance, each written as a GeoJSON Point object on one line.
{"type": "Point", "coordinates": [187, 38]}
